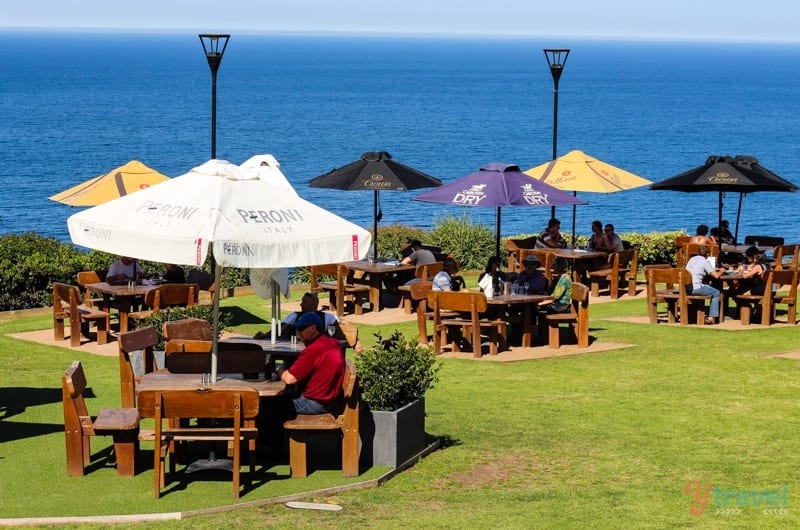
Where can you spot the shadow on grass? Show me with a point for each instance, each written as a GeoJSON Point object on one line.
{"type": "Point", "coordinates": [240, 316]}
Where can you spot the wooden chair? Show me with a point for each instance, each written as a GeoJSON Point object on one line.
{"type": "Point", "coordinates": [348, 332]}
{"type": "Point", "coordinates": [122, 424]}
{"type": "Point", "coordinates": [785, 257]}
{"type": "Point", "coordinates": [473, 307]}
{"type": "Point", "coordinates": [668, 286]}
{"type": "Point", "coordinates": [239, 405]}
{"type": "Point", "coordinates": [67, 306]}
{"type": "Point", "coordinates": [187, 328]}
{"type": "Point", "coordinates": [419, 293]}
{"type": "Point", "coordinates": [680, 258]}
{"type": "Point", "coordinates": [775, 284]}
{"type": "Point", "coordinates": [422, 273]}
{"type": "Point", "coordinates": [547, 259]}
{"type": "Point", "coordinates": [618, 267]}
{"type": "Point", "coordinates": [577, 318]}
{"type": "Point", "coordinates": [341, 290]}
{"type": "Point", "coordinates": [514, 246]}
{"type": "Point", "coordinates": [346, 423]}
{"type": "Point", "coordinates": [84, 278]}
{"type": "Point", "coordinates": [144, 340]}
{"type": "Point", "coordinates": [167, 295]}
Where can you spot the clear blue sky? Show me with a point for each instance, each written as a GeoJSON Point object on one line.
{"type": "Point", "coordinates": [761, 20]}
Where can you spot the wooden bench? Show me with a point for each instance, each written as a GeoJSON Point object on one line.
{"type": "Point", "coordinates": [775, 292]}
{"type": "Point", "coordinates": [341, 289]}
{"type": "Point", "coordinates": [144, 340]}
{"type": "Point", "coordinates": [785, 257]}
{"type": "Point", "coordinates": [167, 295]}
{"type": "Point", "coordinates": [473, 307]}
{"type": "Point", "coordinates": [577, 319]}
{"type": "Point", "coordinates": [240, 406]}
{"type": "Point", "coordinates": [346, 423]}
{"type": "Point", "coordinates": [619, 267]}
{"type": "Point", "coordinates": [67, 306]}
{"type": "Point", "coordinates": [668, 286]}
{"type": "Point", "coordinates": [122, 424]}
{"type": "Point", "coordinates": [422, 273]}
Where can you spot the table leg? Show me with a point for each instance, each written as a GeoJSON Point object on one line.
{"type": "Point", "coordinates": [375, 292]}
{"type": "Point", "coordinates": [123, 308]}
{"type": "Point", "coordinates": [527, 326]}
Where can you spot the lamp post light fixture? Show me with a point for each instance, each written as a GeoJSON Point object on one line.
{"type": "Point", "coordinates": [556, 60]}
{"type": "Point", "coordinates": [214, 47]}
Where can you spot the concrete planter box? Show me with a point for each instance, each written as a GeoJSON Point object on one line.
{"type": "Point", "coordinates": [390, 438]}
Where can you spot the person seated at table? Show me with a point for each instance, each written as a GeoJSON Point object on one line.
{"type": "Point", "coordinates": [724, 235]}
{"type": "Point", "coordinates": [562, 289]}
{"type": "Point", "coordinates": [447, 279]}
{"type": "Point", "coordinates": [531, 280]}
{"type": "Point", "coordinates": [124, 270]}
{"type": "Point", "coordinates": [309, 303]}
{"type": "Point", "coordinates": [318, 371]}
{"type": "Point", "coordinates": [702, 237]}
{"type": "Point", "coordinates": [699, 267]}
{"type": "Point", "coordinates": [419, 255]}
{"type": "Point", "coordinates": [498, 277]}
{"type": "Point", "coordinates": [551, 236]}
{"type": "Point", "coordinates": [611, 240]}
{"type": "Point", "coordinates": [597, 239]}
{"type": "Point", "coordinates": [174, 273]}
{"type": "Point", "coordinates": [752, 274]}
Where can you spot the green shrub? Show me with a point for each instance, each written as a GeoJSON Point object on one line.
{"type": "Point", "coordinates": [392, 238]}
{"type": "Point", "coordinates": [395, 371]}
{"type": "Point", "coordinates": [203, 312]}
{"type": "Point", "coordinates": [471, 244]}
{"type": "Point", "coordinates": [654, 247]}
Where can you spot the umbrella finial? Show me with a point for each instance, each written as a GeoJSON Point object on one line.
{"type": "Point", "coordinates": [376, 156]}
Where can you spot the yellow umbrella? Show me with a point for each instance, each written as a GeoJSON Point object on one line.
{"type": "Point", "coordinates": [576, 171]}
{"type": "Point", "coordinates": [131, 177]}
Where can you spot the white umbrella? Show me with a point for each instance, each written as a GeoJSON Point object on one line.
{"type": "Point", "coordinates": [247, 221]}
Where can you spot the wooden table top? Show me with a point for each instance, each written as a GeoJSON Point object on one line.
{"type": "Point", "coordinates": [379, 267]}
{"type": "Point", "coordinates": [119, 290]}
{"type": "Point", "coordinates": [570, 253]}
{"type": "Point", "coordinates": [506, 299]}
{"type": "Point", "coordinates": [166, 380]}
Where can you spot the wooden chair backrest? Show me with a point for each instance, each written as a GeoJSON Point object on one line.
{"type": "Point", "coordinates": [348, 332]}
{"type": "Point", "coordinates": [786, 251]}
{"type": "Point", "coordinates": [427, 272]}
{"type": "Point", "coordinates": [172, 295]}
{"type": "Point", "coordinates": [73, 385]}
{"type": "Point", "coordinates": [188, 328]}
{"type": "Point", "coordinates": [351, 393]}
{"type": "Point", "coordinates": [241, 403]}
{"type": "Point", "coordinates": [627, 258]}
{"type": "Point", "coordinates": [668, 276]}
{"type": "Point", "coordinates": [778, 279]}
{"type": "Point", "coordinates": [693, 249]}
{"type": "Point", "coordinates": [84, 278]}
{"type": "Point", "coordinates": [144, 340]}
{"type": "Point", "coordinates": [547, 259]}
{"type": "Point", "coordinates": [420, 290]}
{"type": "Point", "coordinates": [461, 301]}
{"type": "Point", "coordinates": [579, 297]}
{"type": "Point", "coordinates": [66, 299]}
{"type": "Point", "coordinates": [682, 240]}
{"type": "Point", "coordinates": [518, 244]}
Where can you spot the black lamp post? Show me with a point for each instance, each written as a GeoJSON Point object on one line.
{"type": "Point", "coordinates": [556, 59]}
{"type": "Point", "coordinates": [214, 47]}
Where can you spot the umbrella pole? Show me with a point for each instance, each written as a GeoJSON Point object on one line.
{"type": "Point", "coordinates": [738, 213]}
{"type": "Point", "coordinates": [497, 235]}
{"type": "Point", "coordinates": [215, 318]}
{"type": "Point", "coordinates": [375, 226]}
{"type": "Point", "coordinates": [574, 210]}
{"type": "Point", "coordinates": [719, 220]}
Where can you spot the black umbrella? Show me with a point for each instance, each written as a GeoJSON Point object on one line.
{"type": "Point", "coordinates": [375, 171]}
{"type": "Point", "coordinates": [742, 174]}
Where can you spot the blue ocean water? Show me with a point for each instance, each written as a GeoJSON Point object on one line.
{"type": "Point", "coordinates": [75, 105]}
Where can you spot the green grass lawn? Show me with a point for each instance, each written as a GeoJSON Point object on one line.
{"type": "Point", "coordinates": [607, 440]}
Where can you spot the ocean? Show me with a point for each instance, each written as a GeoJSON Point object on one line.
{"type": "Point", "coordinates": [75, 105]}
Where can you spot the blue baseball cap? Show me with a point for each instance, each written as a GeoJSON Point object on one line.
{"type": "Point", "coordinates": [308, 319]}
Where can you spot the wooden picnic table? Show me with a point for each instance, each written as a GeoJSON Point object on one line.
{"type": "Point", "coordinates": [579, 259]}
{"type": "Point", "coordinates": [124, 296]}
{"type": "Point", "coordinates": [163, 379]}
{"type": "Point", "coordinates": [530, 302]}
{"type": "Point", "coordinates": [374, 274]}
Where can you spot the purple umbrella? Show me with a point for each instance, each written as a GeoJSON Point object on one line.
{"type": "Point", "coordinates": [496, 185]}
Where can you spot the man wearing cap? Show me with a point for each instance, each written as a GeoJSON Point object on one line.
{"type": "Point", "coordinates": [318, 370]}
{"type": "Point", "coordinates": [531, 280]}
{"type": "Point", "coordinates": [419, 256]}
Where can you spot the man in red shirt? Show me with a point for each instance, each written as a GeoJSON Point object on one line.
{"type": "Point", "coordinates": [318, 370]}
